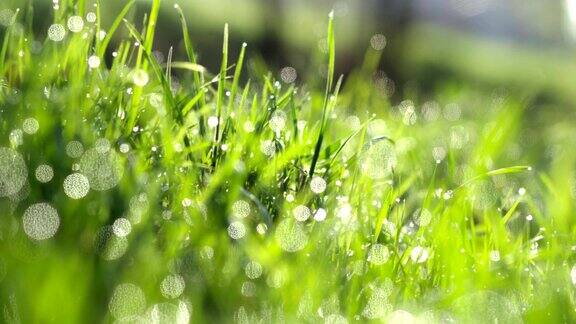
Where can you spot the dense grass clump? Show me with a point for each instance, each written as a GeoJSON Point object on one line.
{"type": "Point", "coordinates": [140, 190]}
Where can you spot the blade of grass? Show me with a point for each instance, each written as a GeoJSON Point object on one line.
{"type": "Point", "coordinates": [236, 80]}
{"type": "Point", "coordinates": [329, 81]}
{"type": "Point", "coordinates": [220, 95]}
{"type": "Point", "coordinates": [199, 76]}
{"type": "Point", "coordinates": [117, 21]}
{"type": "Point", "coordinates": [508, 170]}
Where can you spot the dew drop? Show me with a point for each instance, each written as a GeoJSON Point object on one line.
{"type": "Point", "coordinates": [277, 121]}
{"type": "Point", "coordinates": [124, 148]}
{"type": "Point", "coordinates": [91, 17]}
{"type": "Point", "coordinates": [261, 228]}
{"type": "Point", "coordinates": [212, 121]}
{"type": "Point", "coordinates": [378, 254]}
{"type": "Point", "coordinates": [127, 301]}
{"type": "Point", "coordinates": [40, 221]}
{"type": "Point", "coordinates": [241, 209]}
{"type": "Point", "coordinates": [140, 77]}
{"type": "Point", "coordinates": [236, 230]}
{"type": "Point", "coordinates": [268, 148]}
{"type": "Point", "coordinates": [422, 217]}
{"type": "Point", "coordinates": [378, 159]}
{"type": "Point", "coordinates": [320, 215]}
{"type": "Point", "coordinates": [378, 42]}
{"type": "Point", "coordinates": [169, 313]}
{"type": "Point", "coordinates": [103, 169]}
{"type": "Point", "coordinates": [253, 270]}
{"type": "Point", "coordinates": [291, 235]}
{"type": "Point", "coordinates": [74, 149]}
{"type": "Point", "coordinates": [121, 227]}
{"type": "Point", "coordinates": [108, 245]}
{"type": "Point", "coordinates": [318, 185]}
{"type": "Point", "coordinates": [76, 186]}
{"type": "Point", "coordinates": [44, 173]}
{"type": "Point", "coordinates": [30, 126]}
{"type": "Point", "coordinates": [288, 74]}
{"type": "Point", "coordinates": [494, 255]}
{"type": "Point", "coordinates": [419, 254]}
{"type": "Point", "coordinates": [56, 32]}
{"type": "Point", "coordinates": [13, 172]}
{"type": "Point", "coordinates": [301, 213]}
{"type": "Point", "coordinates": [248, 289]}
{"type": "Point", "coordinates": [7, 17]}
{"type": "Point", "coordinates": [172, 286]}
{"type": "Point", "coordinates": [93, 62]}
{"type": "Point", "coordinates": [75, 24]}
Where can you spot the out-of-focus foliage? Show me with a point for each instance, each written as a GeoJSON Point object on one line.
{"type": "Point", "coordinates": [139, 187]}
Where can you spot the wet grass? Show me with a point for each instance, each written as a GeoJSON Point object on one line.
{"type": "Point", "coordinates": [237, 196]}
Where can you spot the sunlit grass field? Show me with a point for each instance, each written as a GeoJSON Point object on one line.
{"type": "Point", "coordinates": [137, 187]}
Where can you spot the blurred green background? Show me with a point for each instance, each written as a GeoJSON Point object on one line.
{"type": "Point", "coordinates": [527, 45]}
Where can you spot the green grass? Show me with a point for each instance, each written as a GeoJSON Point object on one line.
{"type": "Point", "coordinates": [437, 209]}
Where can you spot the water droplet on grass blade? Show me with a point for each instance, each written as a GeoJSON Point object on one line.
{"type": "Point", "coordinates": [419, 254]}
{"type": "Point", "coordinates": [288, 74]}
{"type": "Point", "coordinates": [213, 121]}
{"type": "Point", "coordinates": [277, 121]}
{"type": "Point", "coordinates": [318, 185]}
{"type": "Point", "coordinates": [261, 228]}
{"type": "Point", "coordinates": [124, 148]}
{"type": "Point", "coordinates": [30, 126]}
{"type": "Point", "coordinates": [91, 17]}
{"type": "Point", "coordinates": [56, 32]}
{"type": "Point", "coordinates": [103, 170]}
{"type": "Point", "coordinates": [108, 245]}
{"type": "Point", "coordinates": [127, 301]}
{"type": "Point", "coordinates": [13, 172]}
{"type": "Point", "coordinates": [248, 289]}
{"type": "Point", "coordinates": [378, 42]}
{"type": "Point", "coordinates": [16, 137]}
{"type": "Point", "coordinates": [301, 213]}
{"type": "Point", "coordinates": [74, 149]}
{"type": "Point", "coordinates": [494, 255]}
{"type": "Point", "coordinates": [40, 221]}
{"type": "Point", "coordinates": [422, 217]}
{"type": "Point", "coordinates": [378, 254]}
{"type": "Point", "coordinates": [121, 227]}
{"type": "Point", "coordinates": [172, 286]}
{"type": "Point", "coordinates": [76, 186]}
{"type": "Point", "coordinates": [44, 173]}
{"type": "Point", "coordinates": [320, 215]}
{"type": "Point", "coordinates": [253, 270]}
{"type": "Point", "coordinates": [169, 313]}
{"type": "Point", "coordinates": [75, 24]}
{"type": "Point", "coordinates": [241, 209]}
{"type": "Point", "coordinates": [236, 230]}
{"type": "Point", "coordinates": [268, 148]}
{"type": "Point", "coordinates": [378, 158]}
{"type": "Point", "coordinates": [93, 62]}
{"type": "Point", "coordinates": [7, 17]}
{"type": "Point", "coordinates": [291, 236]}
{"type": "Point", "coordinates": [140, 78]}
